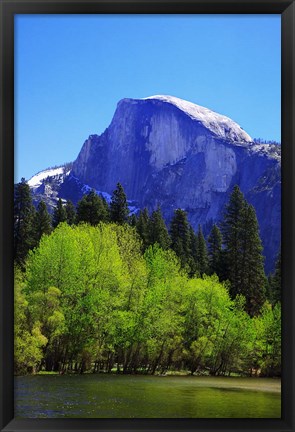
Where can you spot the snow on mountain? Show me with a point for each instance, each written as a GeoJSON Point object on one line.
{"type": "Point", "coordinates": [48, 184]}
{"type": "Point", "coordinates": [271, 150]}
{"type": "Point", "coordinates": [173, 153]}
{"type": "Point", "coordinates": [86, 189]}
{"type": "Point", "coordinates": [219, 124]}
{"type": "Point", "coordinates": [37, 179]}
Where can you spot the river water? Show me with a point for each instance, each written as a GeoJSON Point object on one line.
{"type": "Point", "coordinates": [118, 396]}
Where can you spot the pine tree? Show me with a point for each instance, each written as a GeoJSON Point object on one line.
{"type": "Point", "coordinates": [82, 214]}
{"type": "Point", "coordinates": [250, 270]}
{"type": "Point", "coordinates": [97, 208]}
{"type": "Point", "coordinates": [24, 214]}
{"type": "Point", "coordinates": [59, 214]}
{"type": "Point", "coordinates": [243, 252]}
{"type": "Point", "coordinates": [215, 250]}
{"type": "Point", "coordinates": [276, 282]}
{"type": "Point", "coordinates": [91, 209]}
{"type": "Point", "coordinates": [230, 232]}
{"type": "Point", "coordinates": [142, 227]}
{"type": "Point", "coordinates": [157, 230]}
{"type": "Point", "coordinates": [106, 209]}
{"type": "Point", "coordinates": [193, 251]}
{"type": "Point", "coordinates": [70, 212]}
{"type": "Point", "coordinates": [132, 220]}
{"type": "Point", "coordinates": [180, 236]}
{"type": "Point", "coordinates": [42, 223]}
{"type": "Point", "coordinates": [202, 254]}
{"type": "Point", "coordinates": [118, 208]}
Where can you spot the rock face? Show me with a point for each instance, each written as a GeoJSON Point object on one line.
{"type": "Point", "coordinates": [172, 153]}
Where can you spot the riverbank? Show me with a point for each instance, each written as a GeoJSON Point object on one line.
{"type": "Point", "coordinates": [183, 373]}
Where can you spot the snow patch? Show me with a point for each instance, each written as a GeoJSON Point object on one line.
{"type": "Point", "coordinates": [272, 151]}
{"type": "Point", "coordinates": [37, 179]}
{"type": "Point", "coordinates": [133, 210]}
{"type": "Point", "coordinates": [87, 189]}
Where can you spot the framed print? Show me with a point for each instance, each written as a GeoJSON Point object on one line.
{"type": "Point", "coordinates": [147, 215]}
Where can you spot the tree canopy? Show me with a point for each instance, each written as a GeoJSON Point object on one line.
{"type": "Point", "coordinates": [101, 291]}
{"type": "Point", "coordinates": [90, 300]}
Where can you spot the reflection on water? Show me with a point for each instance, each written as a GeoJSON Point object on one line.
{"type": "Point", "coordinates": [113, 396]}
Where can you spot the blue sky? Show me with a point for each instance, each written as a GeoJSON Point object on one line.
{"type": "Point", "coordinates": [71, 71]}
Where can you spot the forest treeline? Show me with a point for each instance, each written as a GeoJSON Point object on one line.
{"type": "Point", "coordinates": [99, 290]}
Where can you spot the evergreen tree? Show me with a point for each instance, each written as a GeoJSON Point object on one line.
{"type": "Point", "coordinates": [91, 209]}
{"type": "Point", "coordinates": [157, 230]}
{"type": "Point", "coordinates": [70, 212]}
{"type": "Point", "coordinates": [132, 220]}
{"type": "Point", "coordinates": [230, 228]}
{"type": "Point", "coordinates": [276, 282]}
{"type": "Point", "coordinates": [243, 252]}
{"type": "Point", "coordinates": [193, 251]}
{"type": "Point", "coordinates": [106, 209]}
{"type": "Point", "coordinates": [82, 214]}
{"type": "Point", "coordinates": [42, 221]}
{"type": "Point", "coordinates": [24, 214]}
{"type": "Point", "coordinates": [202, 254]}
{"type": "Point", "coordinates": [142, 227]}
{"type": "Point", "coordinates": [118, 208]}
{"type": "Point", "coordinates": [59, 214]}
{"type": "Point", "coordinates": [180, 236]}
{"type": "Point", "coordinates": [99, 211]}
{"type": "Point", "coordinates": [215, 250]}
{"type": "Point", "coordinates": [250, 270]}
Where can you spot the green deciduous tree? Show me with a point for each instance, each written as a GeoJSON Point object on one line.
{"type": "Point", "coordinates": [216, 330]}
{"type": "Point", "coordinates": [90, 300]}
{"type": "Point", "coordinates": [58, 273]}
{"type": "Point", "coordinates": [28, 339]}
{"type": "Point", "coordinates": [162, 317]}
{"type": "Point", "coordinates": [265, 356]}
{"type": "Point", "coordinates": [77, 282]}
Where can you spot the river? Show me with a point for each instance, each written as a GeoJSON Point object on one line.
{"type": "Point", "coordinates": [119, 396]}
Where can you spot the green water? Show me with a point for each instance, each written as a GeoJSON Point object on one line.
{"type": "Point", "coordinates": [113, 396]}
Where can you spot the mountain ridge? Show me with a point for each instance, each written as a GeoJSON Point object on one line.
{"type": "Point", "coordinates": [169, 152]}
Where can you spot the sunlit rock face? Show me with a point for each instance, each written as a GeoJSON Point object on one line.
{"type": "Point", "coordinates": [172, 153]}
{"type": "Point", "coordinates": [154, 137]}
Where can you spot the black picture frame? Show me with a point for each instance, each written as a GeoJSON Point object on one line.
{"type": "Point", "coordinates": [8, 8]}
